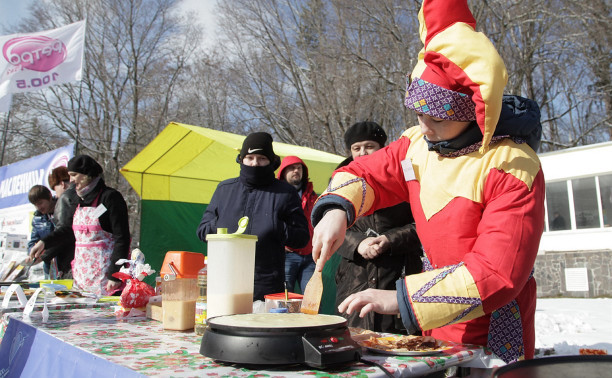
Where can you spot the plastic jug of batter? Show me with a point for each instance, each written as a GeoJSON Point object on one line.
{"type": "Point", "coordinates": [179, 288]}
{"type": "Point", "coordinates": [231, 271]}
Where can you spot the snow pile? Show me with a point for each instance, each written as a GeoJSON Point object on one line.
{"type": "Point", "coordinates": [564, 325]}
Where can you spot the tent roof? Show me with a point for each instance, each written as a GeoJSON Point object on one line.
{"type": "Point", "coordinates": [185, 163]}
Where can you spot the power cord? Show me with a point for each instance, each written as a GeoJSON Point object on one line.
{"type": "Point", "coordinates": [372, 363]}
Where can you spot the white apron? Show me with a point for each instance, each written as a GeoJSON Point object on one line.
{"type": "Point", "coordinates": [92, 250]}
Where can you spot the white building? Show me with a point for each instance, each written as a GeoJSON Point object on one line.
{"type": "Point", "coordinates": [578, 198]}
{"type": "Point", "coordinates": [575, 255]}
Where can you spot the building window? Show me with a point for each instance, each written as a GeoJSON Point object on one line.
{"type": "Point", "coordinates": [585, 203]}
{"type": "Point", "coordinates": [579, 203]}
{"type": "Point", "coordinates": [605, 189]}
{"type": "Point", "coordinates": [557, 203]}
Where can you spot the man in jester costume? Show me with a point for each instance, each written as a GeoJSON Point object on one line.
{"type": "Point", "coordinates": [476, 188]}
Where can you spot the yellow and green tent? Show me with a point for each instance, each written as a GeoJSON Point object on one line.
{"type": "Point", "coordinates": [176, 175]}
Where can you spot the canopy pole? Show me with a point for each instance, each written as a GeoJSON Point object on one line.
{"type": "Point", "coordinates": [4, 136]}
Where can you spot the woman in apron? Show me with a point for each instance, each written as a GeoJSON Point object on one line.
{"type": "Point", "coordinates": [101, 229]}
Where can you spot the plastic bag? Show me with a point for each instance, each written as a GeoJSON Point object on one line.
{"type": "Point", "coordinates": [136, 292]}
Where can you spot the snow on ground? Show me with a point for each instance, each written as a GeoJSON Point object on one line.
{"type": "Point", "coordinates": [568, 324]}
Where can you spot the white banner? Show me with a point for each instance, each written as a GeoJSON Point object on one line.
{"type": "Point", "coordinates": [5, 103]}
{"type": "Point", "coordinates": [38, 60]}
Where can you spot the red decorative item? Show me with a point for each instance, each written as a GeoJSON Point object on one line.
{"type": "Point", "coordinates": [136, 293]}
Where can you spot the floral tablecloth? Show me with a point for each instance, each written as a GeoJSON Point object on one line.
{"type": "Point", "coordinates": [144, 347]}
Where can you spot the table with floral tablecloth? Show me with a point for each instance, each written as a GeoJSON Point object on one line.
{"type": "Point", "coordinates": [141, 346]}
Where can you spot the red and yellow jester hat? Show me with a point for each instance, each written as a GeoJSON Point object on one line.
{"type": "Point", "coordinates": [455, 64]}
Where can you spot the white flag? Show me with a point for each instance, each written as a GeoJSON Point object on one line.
{"type": "Point", "coordinates": [5, 103]}
{"type": "Point", "coordinates": [38, 60]}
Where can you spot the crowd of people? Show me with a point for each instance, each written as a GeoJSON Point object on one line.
{"type": "Point", "coordinates": [437, 231]}
{"type": "Point", "coordinates": [89, 230]}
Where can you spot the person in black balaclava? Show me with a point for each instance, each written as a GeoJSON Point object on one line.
{"type": "Point", "coordinates": [273, 207]}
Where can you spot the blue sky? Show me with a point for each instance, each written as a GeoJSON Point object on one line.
{"type": "Point", "coordinates": [11, 12]}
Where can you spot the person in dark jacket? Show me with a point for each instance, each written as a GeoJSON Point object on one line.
{"type": "Point", "coordinates": [272, 206]}
{"type": "Point", "coordinates": [379, 248]}
{"type": "Point", "coordinates": [299, 265]}
{"type": "Point", "coordinates": [59, 181]}
{"type": "Point", "coordinates": [42, 221]}
{"type": "Point", "coordinates": [101, 229]}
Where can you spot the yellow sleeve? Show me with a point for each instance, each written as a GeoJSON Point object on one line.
{"type": "Point", "coordinates": [444, 296]}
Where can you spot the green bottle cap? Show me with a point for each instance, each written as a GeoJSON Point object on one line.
{"type": "Point", "coordinates": [239, 234]}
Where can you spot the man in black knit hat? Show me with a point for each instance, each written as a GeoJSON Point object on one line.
{"type": "Point", "coordinates": [378, 248]}
{"type": "Point", "coordinates": [273, 207]}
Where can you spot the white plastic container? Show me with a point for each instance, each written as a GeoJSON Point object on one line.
{"type": "Point", "coordinates": [231, 271]}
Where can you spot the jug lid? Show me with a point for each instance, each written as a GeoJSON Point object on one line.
{"type": "Point", "coordinates": [181, 264]}
{"type": "Point", "coordinates": [239, 234]}
{"type": "Point", "coordinates": [281, 296]}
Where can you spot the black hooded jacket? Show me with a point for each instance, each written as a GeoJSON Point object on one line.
{"type": "Point", "coordinates": [519, 119]}
{"type": "Point", "coordinates": [275, 216]}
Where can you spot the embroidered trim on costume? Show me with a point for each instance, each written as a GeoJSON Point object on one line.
{"type": "Point", "coordinates": [419, 296]}
{"type": "Point", "coordinates": [347, 183]}
{"type": "Point", "coordinates": [426, 263]}
{"type": "Point", "coordinates": [505, 336]}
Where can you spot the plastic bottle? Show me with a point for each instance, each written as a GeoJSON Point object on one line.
{"type": "Point", "coordinates": [201, 302]}
{"type": "Point", "coordinates": [158, 285]}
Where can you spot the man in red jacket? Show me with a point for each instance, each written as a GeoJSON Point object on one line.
{"type": "Point", "coordinates": [299, 265]}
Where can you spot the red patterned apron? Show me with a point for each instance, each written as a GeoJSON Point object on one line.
{"type": "Point", "coordinates": [92, 250]}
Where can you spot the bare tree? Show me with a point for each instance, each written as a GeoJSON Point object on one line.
{"type": "Point", "coordinates": [593, 45]}
{"type": "Point", "coordinates": [203, 98]}
{"type": "Point", "coordinates": [548, 47]}
{"type": "Point", "coordinates": [304, 70]}
{"type": "Point", "coordinates": [136, 53]}
{"type": "Point", "coordinates": [307, 70]}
